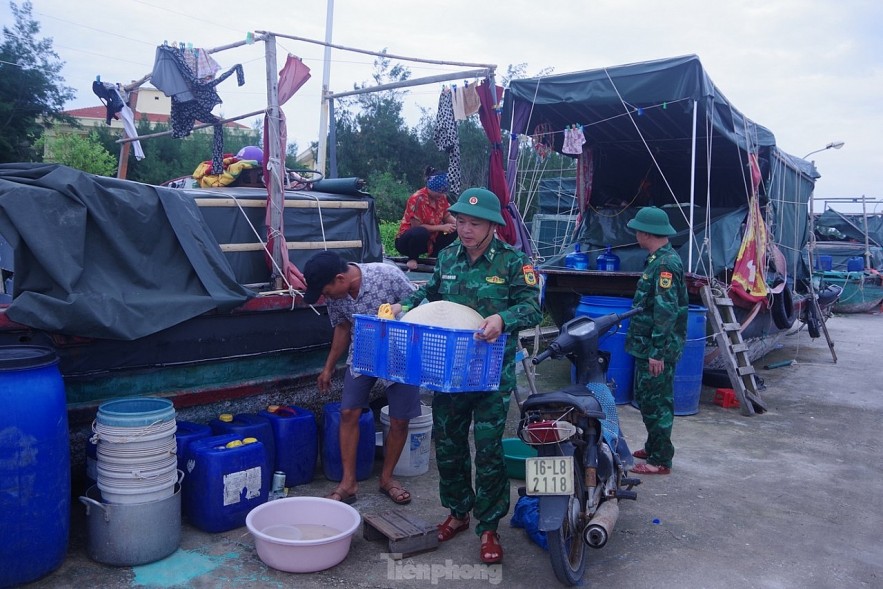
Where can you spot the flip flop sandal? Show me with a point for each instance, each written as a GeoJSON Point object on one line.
{"type": "Point", "coordinates": [648, 468]}
{"type": "Point", "coordinates": [491, 550]}
{"type": "Point", "coordinates": [446, 530]}
{"type": "Point", "coordinates": [342, 496]}
{"type": "Point", "coordinates": [398, 494]}
{"type": "Point", "coordinates": [642, 454]}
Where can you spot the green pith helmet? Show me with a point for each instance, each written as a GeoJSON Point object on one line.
{"type": "Point", "coordinates": [652, 220]}
{"type": "Point", "coordinates": [480, 203]}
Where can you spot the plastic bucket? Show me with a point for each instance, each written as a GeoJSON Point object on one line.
{"type": "Point", "coordinates": [35, 473]}
{"type": "Point", "coordinates": [135, 412]}
{"type": "Point", "coordinates": [297, 443]}
{"type": "Point", "coordinates": [415, 455]}
{"type": "Point", "coordinates": [331, 464]}
{"type": "Point", "coordinates": [622, 365]}
{"type": "Point", "coordinates": [688, 371]}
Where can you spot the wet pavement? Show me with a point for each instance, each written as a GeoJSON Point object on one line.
{"type": "Point", "coordinates": [787, 499]}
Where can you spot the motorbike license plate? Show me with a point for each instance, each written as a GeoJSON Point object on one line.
{"type": "Point", "coordinates": [549, 475]}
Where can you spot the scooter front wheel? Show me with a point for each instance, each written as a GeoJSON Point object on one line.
{"type": "Point", "coordinates": [567, 549]}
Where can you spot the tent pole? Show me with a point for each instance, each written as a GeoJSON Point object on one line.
{"type": "Point", "coordinates": [275, 161]}
{"type": "Point", "coordinates": [692, 187]}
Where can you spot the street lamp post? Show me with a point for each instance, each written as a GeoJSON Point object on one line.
{"type": "Point", "coordinates": [832, 145]}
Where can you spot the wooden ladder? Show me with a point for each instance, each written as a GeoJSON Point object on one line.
{"type": "Point", "coordinates": [734, 351]}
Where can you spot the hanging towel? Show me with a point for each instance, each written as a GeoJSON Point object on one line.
{"type": "Point", "coordinates": [471, 101]}
{"type": "Point", "coordinates": [203, 65]}
{"type": "Point", "coordinates": [457, 103]}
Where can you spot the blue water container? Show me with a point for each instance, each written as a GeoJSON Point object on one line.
{"type": "Point", "coordinates": [224, 484]}
{"type": "Point", "coordinates": [297, 442]}
{"type": "Point", "coordinates": [688, 371]}
{"type": "Point", "coordinates": [608, 261]}
{"type": "Point", "coordinates": [856, 264]}
{"type": "Point", "coordinates": [824, 263]}
{"type": "Point", "coordinates": [577, 259]}
{"type": "Point", "coordinates": [35, 471]}
{"type": "Point", "coordinates": [622, 365]}
{"type": "Point", "coordinates": [331, 464]}
{"type": "Point", "coordinates": [248, 425]}
{"type": "Point", "coordinates": [187, 433]}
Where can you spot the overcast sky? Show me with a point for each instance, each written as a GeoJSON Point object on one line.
{"type": "Point", "coordinates": [809, 70]}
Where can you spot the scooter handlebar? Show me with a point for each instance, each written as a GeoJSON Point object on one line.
{"type": "Point", "coordinates": [544, 355]}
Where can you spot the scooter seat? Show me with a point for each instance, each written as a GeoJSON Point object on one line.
{"type": "Point", "coordinates": [575, 396]}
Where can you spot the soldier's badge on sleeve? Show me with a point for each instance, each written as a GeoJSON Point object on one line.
{"type": "Point", "coordinates": [665, 279]}
{"type": "Point", "coordinates": [530, 276]}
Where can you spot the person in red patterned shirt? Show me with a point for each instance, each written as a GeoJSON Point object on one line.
{"type": "Point", "coordinates": [426, 226]}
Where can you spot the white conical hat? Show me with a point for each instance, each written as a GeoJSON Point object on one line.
{"type": "Point", "coordinates": [444, 314]}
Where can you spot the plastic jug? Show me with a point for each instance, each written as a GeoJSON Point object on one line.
{"type": "Point", "coordinates": [247, 425]}
{"type": "Point", "coordinates": [608, 261]}
{"type": "Point", "coordinates": [577, 260]}
{"type": "Point", "coordinates": [297, 442]}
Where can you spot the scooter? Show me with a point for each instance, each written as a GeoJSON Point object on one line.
{"type": "Point", "coordinates": [579, 473]}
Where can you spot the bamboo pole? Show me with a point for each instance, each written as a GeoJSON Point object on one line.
{"type": "Point", "coordinates": [195, 127]}
{"type": "Point", "coordinates": [407, 83]}
{"type": "Point", "coordinates": [258, 203]}
{"type": "Point", "coordinates": [382, 54]}
{"type": "Point", "coordinates": [294, 245]}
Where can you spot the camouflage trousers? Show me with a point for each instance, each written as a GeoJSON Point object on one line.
{"type": "Point", "coordinates": [452, 414]}
{"type": "Point", "coordinates": [655, 397]}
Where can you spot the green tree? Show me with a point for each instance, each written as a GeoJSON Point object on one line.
{"type": "Point", "coordinates": [83, 153]}
{"type": "Point", "coordinates": [32, 91]}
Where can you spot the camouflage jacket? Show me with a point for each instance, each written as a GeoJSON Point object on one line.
{"type": "Point", "coordinates": [660, 330]}
{"type": "Point", "coordinates": [502, 281]}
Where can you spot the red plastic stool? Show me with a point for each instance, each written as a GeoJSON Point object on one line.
{"type": "Point", "coordinates": [726, 398]}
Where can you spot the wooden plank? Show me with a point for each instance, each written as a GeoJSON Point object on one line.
{"type": "Point", "coordinates": [406, 534]}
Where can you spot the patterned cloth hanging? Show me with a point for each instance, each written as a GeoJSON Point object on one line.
{"type": "Point", "coordinates": [446, 138]}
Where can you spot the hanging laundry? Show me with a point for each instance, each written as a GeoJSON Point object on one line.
{"type": "Point", "coordinates": [457, 104]}
{"type": "Point", "coordinates": [446, 138]}
{"type": "Point", "coordinates": [471, 101]}
{"type": "Point", "coordinates": [201, 64]}
{"type": "Point", "coordinates": [574, 139]}
{"type": "Point", "coordinates": [192, 99]}
{"type": "Point", "coordinates": [115, 100]}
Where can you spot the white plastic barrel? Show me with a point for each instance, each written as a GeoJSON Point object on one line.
{"type": "Point", "coordinates": [415, 455]}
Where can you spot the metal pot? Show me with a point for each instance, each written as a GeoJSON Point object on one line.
{"type": "Point", "coordinates": [132, 534]}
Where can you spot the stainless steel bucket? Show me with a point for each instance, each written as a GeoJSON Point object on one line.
{"type": "Point", "coordinates": [135, 533]}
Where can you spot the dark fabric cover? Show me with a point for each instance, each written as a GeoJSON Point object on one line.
{"type": "Point", "coordinates": [102, 257]}
{"type": "Point", "coordinates": [653, 167]}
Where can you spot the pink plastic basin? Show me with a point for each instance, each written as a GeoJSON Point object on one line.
{"type": "Point", "coordinates": [302, 534]}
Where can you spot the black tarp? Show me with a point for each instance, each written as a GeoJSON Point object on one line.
{"type": "Point", "coordinates": [638, 123]}
{"type": "Point", "coordinates": [103, 257]}
{"type": "Point", "coordinates": [106, 258]}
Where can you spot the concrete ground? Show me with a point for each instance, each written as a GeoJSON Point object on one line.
{"type": "Point", "coordinates": [787, 499]}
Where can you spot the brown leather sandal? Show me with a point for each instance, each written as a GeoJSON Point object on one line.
{"type": "Point", "coordinates": [447, 530]}
{"type": "Point", "coordinates": [491, 550]}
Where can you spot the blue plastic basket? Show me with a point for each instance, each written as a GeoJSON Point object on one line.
{"type": "Point", "coordinates": [437, 358]}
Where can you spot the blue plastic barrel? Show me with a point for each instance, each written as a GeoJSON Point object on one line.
{"type": "Point", "coordinates": [297, 442]}
{"type": "Point", "coordinates": [331, 463]}
{"type": "Point", "coordinates": [622, 365]}
{"type": "Point", "coordinates": [248, 425]}
{"type": "Point", "coordinates": [688, 371]}
{"type": "Point", "coordinates": [223, 484]}
{"type": "Point", "coordinates": [35, 471]}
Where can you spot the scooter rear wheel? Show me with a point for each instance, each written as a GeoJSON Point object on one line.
{"type": "Point", "coordinates": [567, 549]}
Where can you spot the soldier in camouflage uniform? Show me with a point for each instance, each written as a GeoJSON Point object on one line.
{"type": "Point", "coordinates": [488, 275]}
{"type": "Point", "coordinates": [656, 336]}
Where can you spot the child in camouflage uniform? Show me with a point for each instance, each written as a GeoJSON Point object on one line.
{"type": "Point", "coordinates": [656, 337]}
{"type": "Point", "coordinates": [499, 282]}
